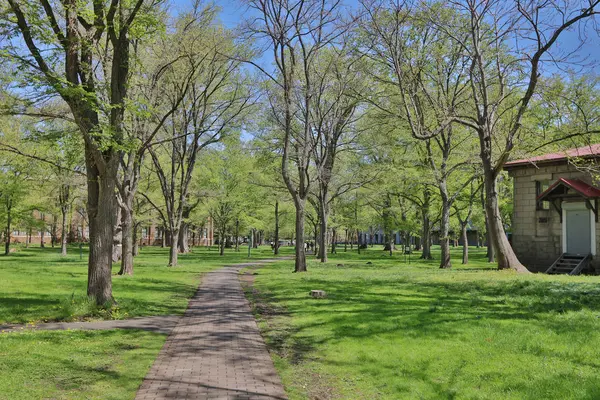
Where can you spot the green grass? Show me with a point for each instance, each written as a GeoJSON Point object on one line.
{"type": "Point", "coordinates": [40, 285]}
{"type": "Point", "coordinates": [394, 330]}
{"type": "Point", "coordinates": [75, 364]}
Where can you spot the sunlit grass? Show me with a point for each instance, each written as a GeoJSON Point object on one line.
{"type": "Point", "coordinates": [396, 329]}
{"type": "Point", "coordinates": [75, 364]}
{"type": "Point", "coordinates": [40, 285]}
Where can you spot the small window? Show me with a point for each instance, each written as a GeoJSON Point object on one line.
{"type": "Point", "coordinates": [541, 187]}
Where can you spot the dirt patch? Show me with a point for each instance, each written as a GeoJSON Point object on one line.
{"type": "Point", "coordinates": [262, 308]}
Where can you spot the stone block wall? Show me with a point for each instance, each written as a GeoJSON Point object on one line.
{"type": "Point", "coordinates": [537, 234]}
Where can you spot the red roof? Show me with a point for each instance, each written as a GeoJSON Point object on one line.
{"type": "Point", "coordinates": [592, 150]}
{"type": "Point", "coordinates": [584, 189]}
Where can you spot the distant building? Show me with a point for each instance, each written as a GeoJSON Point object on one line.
{"type": "Point", "coordinates": [473, 237]}
{"type": "Point", "coordinates": [555, 214]}
{"type": "Point", "coordinates": [149, 235]}
{"type": "Point", "coordinates": [153, 235]}
{"type": "Point", "coordinates": [46, 226]}
{"type": "Point", "coordinates": [376, 235]}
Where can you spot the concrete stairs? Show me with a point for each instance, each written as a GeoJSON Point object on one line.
{"type": "Point", "coordinates": [569, 264]}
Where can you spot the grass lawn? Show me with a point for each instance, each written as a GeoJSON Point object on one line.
{"type": "Point", "coordinates": [75, 364]}
{"type": "Point", "coordinates": [38, 284]}
{"type": "Point", "coordinates": [394, 330]}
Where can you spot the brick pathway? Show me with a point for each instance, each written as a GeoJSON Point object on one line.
{"type": "Point", "coordinates": [215, 351]}
{"type": "Point", "coordinates": [160, 324]}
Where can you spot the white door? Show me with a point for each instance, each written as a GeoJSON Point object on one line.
{"type": "Point", "coordinates": [578, 232]}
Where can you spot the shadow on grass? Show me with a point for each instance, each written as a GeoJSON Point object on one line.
{"type": "Point", "coordinates": [76, 364]}
{"type": "Point", "coordinates": [360, 308]}
{"type": "Point", "coordinates": [39, 284]}
{"type": "Point", "coordinates": [396, 329]}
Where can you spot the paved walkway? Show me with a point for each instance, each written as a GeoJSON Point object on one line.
{"type": "Point", "coordinates": [216, 350]}
{"type": "Point", "coordinates": [160, 324]}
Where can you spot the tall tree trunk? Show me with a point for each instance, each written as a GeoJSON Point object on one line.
{"type": "Point", "coordinates": [490, 248]}
{"type": "Point", "coordinates": [276, 246]}
{"type": "Point", "coordinates": [333, 241]}
{"type": "Point", "coordinates": [387, 244]}
{"type": "Point", "coordinates": [237, 235]}
{"type": "Point", "coordinates": [102, 206]}
{"type": "Point", "coordinates": [504, 252]}
{"type": "Point", "coordinates": [43, 234]}
{"type": "Point", "coordinates": [127, 229]}
{"type": "Point", "coordinates": [8, 227]}
{"type": "Point", "coordinates": [388, 229]}
{"type": "Point", "coordinates": [491, 255]}
{"type": "Point", "coordinates": [346, 240]}
{"type": "Point", "coordinates": [323, 231]}
{"type": "Point", "coordinates": [445, 261]}
{"type": "Point", "coordinates": [316, 238]}
{"type": "Point", "coordinates": [28, 238]}
{"type": "Point", "coordinates": [117, 252]}
{"type": "Point", "coordinates": [222, 242]}
{"type": "Point", "coordinates": [426, 229]}
{"type": "Point", "coordinates": [63, 230]}
{"type": "Point", "coordinates": [173, 248]}
{"type": "Point", "coordinates": [465, 255]}
{"type": "Point", "coordinates": [135, 241]}
{"type": "Point", "coordinates": [425, 241]}
{"type": "Point", "coordinates": [300, 263]}
{"type": "Point", "coordinates": [53, 231]}
{"type": "Point", "coordinates": [183, 238]}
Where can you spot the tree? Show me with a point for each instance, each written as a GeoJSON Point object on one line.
{"type": "Point", "coordinates": [225, 177]}
{"type": "Point", "coordinates": [417, 188]}
{"type": "Point", "coordinates": [52, 146]}
{"type": "Point", "coordinates": [463, 212]}
{"type": "Point", "coordinates": [64, 154]}
{"type": "Point", "coordinates": [267, 198]}
{"type": "Point", "coordinates": [61, 46]}
{"type": "Point", "coordinates": [490, 51]}
{"type": "Point", "coordinates": [505, 44]}
{"type": "Point", "coordinates": [213, 107]}
{"type": "Point", "coordinates": [427, 72]}
{"type": "Point", "coordinates": [296, 33]}
{"type": "Point", "coordinates": [17, 175]}
{"type": "Point", "coordinates": [336, 79]}
{"type": "Point", "coordinates": [166, 64]}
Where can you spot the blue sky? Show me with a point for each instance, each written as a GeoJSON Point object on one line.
{"type": "Point", "coordinates": [234, 11]}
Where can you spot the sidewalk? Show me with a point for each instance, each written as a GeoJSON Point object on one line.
{"type": "Point", "coordinates": [216, 350]}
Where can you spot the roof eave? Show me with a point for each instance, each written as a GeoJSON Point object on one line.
{"type": "Point", "coordinates": [514, 165]}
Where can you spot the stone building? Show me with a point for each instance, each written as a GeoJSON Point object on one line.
{"type": "Point", "coordinates": [555, 214]}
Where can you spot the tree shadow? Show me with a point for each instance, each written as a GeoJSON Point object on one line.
{"type": "Point", "coordinates": [433, 305]}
